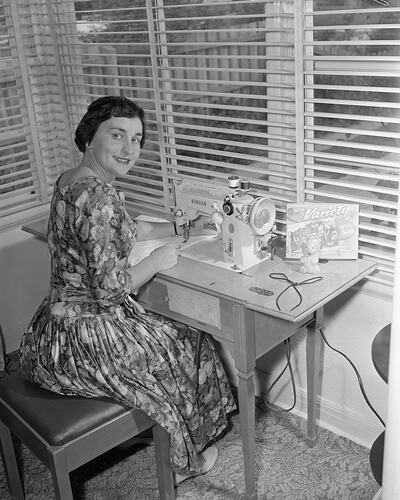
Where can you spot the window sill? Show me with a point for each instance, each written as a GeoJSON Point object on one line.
{"type": "Point", "coordinates": [25, 217]}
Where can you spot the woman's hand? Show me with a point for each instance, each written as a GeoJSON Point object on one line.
{"type": "Point", "coordinates": [162, 257]}
{"type": "Point", "coordinates": [165, 256]}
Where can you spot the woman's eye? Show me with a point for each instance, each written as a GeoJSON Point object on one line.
{"type": "Point", "coordinates": [117, 136]}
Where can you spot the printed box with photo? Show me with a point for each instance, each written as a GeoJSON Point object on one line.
{"type": "Point", "coordinates": [335, 224]}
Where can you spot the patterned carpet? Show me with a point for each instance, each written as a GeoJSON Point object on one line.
{"type": "Point", "coordinates": [287, 469]}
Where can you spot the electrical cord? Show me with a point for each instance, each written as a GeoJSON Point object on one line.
{"type": "Point", "coordinates": [287, 365]}
{"type": "Point", "coordinates": [358, 377]}
{"type": "Point", "coordinates": [294, 285]}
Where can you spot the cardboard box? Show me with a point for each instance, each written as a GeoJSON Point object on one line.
{"type": "Point", "coordinates": [335, 224]}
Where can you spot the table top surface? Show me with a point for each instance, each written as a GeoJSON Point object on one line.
{"type": "Point", "coordinates": [255, 287]}
{"type": "Point", "coordinates": [259, 291]}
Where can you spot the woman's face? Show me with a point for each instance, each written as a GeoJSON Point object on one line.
{"type": "Point", "coordinates": [116, 145]}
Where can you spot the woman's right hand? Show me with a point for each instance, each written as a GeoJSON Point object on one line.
{"type": "Point", "coordinates": [166, 256]}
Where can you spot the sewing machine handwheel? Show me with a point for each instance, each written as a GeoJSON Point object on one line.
{"type": "Point", "coordinates": [262, 215]}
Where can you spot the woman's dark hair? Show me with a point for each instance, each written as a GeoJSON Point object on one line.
{"type": "Point", "coordinates": [101, 110]}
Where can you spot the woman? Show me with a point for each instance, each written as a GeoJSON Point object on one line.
{"type": "Point", "coordinates": [89, 337]}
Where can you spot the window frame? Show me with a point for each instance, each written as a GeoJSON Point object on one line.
{"type": "Point", "coordinates": [375, 243]}
{"type": "Point", "coordinates": [163, 157]}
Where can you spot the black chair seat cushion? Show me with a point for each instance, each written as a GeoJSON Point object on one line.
{"type": "Point", "coordinates": [58, 419]}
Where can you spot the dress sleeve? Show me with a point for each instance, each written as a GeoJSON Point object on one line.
{"type": "Point", "coordinates": [107, 233]}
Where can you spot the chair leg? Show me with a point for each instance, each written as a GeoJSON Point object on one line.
{"type": "Point", "coordinates": [61, 477]}
{"type": "Point", "coordinates": [164, 471]}
{"type": "Point", "coordinates": [10, 464]}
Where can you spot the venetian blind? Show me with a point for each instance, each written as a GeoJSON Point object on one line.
{"type": "Point", "coordinates": [351, 115]}
{"type": "Point", "coordinates": [227, 91]}
{"type": "Point", "coordinates": [35, 146]}
{"type": "Point", "coordinates": [105, 49]}
{"type": "Point", "coordinates": [19, 182]}
{"type": "Point", "coordinates": [216, 79]}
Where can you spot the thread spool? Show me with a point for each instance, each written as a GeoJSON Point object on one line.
{"type": "Point", "coordinates": [245, 185]}
{"type": "Point", "coordinates": [233, 181]}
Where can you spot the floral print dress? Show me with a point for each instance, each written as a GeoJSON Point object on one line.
{"type": "Point", "coordinates": [90, 338]}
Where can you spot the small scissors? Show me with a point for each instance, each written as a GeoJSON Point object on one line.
{"type": "Point", "coordinates": [294, 284]}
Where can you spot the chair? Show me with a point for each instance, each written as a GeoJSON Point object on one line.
{"type": "Point", "coordinates": [380, 357]}
{"type": "Point", "coordinates": [66, 432]}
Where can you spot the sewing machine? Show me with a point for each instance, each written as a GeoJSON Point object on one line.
{"type": "Point", "coordinates": [243, 221]}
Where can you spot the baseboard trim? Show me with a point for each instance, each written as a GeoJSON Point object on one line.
{"type": "Point", "coordinates": [336, 419]}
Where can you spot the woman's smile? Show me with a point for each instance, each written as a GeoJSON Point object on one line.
{"type": "Point", "coordinates": [115, 147]}
{"type": "Point", "coordinates": [120, 159]}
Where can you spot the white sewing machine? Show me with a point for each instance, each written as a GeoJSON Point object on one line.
{"type": "Point", "coordinates": [243, 221]}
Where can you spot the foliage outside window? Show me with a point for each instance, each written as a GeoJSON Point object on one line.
{"type": "Point", "coordinates": [301, 97]}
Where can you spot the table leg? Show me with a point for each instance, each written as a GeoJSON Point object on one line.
{"type": "Point", "coordinates": [247, 424]}
{"type": "Point", "coordinates": [245, 361]}
{"type": "Point", "coordinates": [313, 355]}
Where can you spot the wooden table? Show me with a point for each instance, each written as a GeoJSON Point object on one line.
{"type": "Point", "coordinates": [231, 308]}
{"type": "Point", "coordinates": [380, 358]}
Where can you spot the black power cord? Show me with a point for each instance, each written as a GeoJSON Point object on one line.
{"type": "Point", "coordinates": [360, 383]}
{"type": "Point", "coordinates": [288, 365]}
{"type": "Point", "coordinates": [283, 277]}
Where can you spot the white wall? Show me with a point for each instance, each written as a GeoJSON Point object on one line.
{"type": "Point", "coordinates": [351, 322]}
{"type": "Point", "coordinates": [24, 275]}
